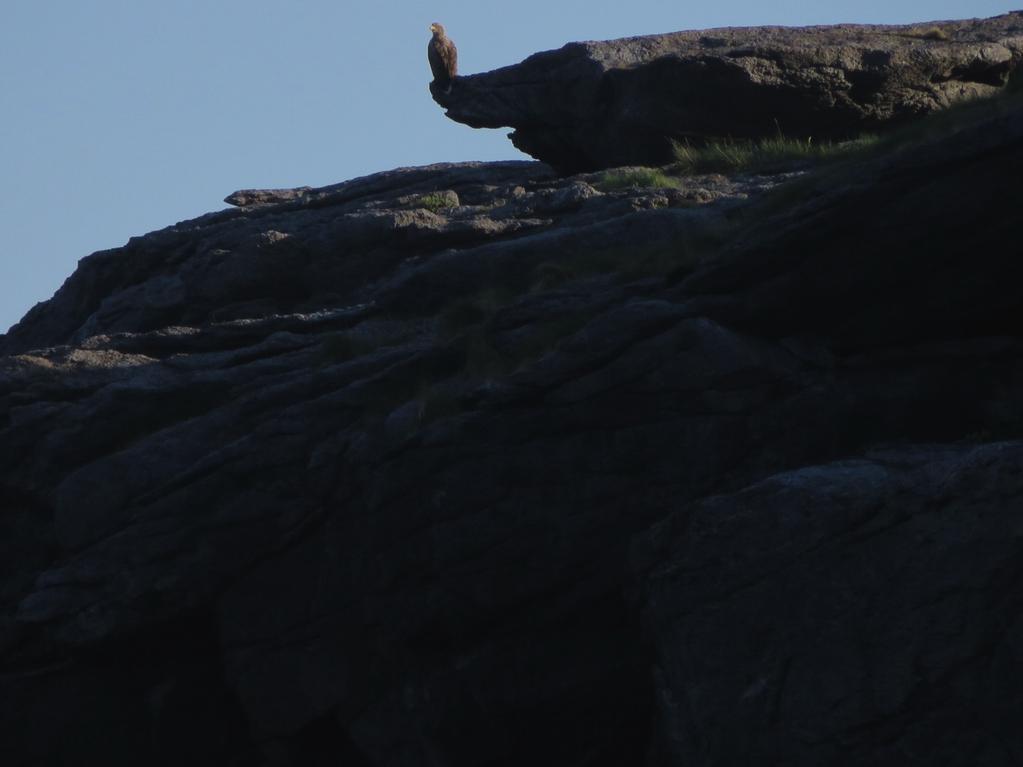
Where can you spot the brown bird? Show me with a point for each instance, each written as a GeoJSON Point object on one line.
{"type": "Point", "coordinates": [443, 57]}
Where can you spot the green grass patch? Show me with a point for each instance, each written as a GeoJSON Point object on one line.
{"type": "Point", "coordinates": [929, 33]}
{"type": "Point", "coordinates": [617, 179]}
{"type": "Point", "coordinates": [770, 155]}
{"type": "Point", "coordinates": [437, 201]}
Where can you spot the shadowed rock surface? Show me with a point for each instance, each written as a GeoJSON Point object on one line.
{"type": "Point", "coordinates": [622, 102]}
{"type": "Point", "coordinates": [860, 612]}
{"type": "Point", "coordinates": [473, 464]}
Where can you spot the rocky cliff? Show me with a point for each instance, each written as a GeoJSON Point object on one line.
{"type": "Point", "coordinates": [621, 102]}
{"type": "Point", "coordinates": [480, 464]}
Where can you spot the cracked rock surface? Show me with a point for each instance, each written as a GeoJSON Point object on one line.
{"type": "Point", "coordinates": [478, 465]}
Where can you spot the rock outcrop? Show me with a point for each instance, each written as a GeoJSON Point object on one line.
{"type": "Point", "coordinates": [832, 614]}
{"type": "Point", "coordinates": [475, 464]}
{"type": "Point", "coordinates": [622, 102]}
{"type": "Point", "coordinates": [408, 240]}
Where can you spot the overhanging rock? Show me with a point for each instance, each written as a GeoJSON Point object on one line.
{"type": "Point", "coordinates": [622, 102]}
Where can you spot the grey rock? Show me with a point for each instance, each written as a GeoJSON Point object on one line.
{"type": "Point", "coordinates": [248, 197]}
{"type": "Point", "coordinates": [622, 102]}
{"type": "Point", "coordinates": [555, 475]}
{"type": "Point", "coordinates": [368, 240]}
{"type": "Point", "coordinates": [830, 614]}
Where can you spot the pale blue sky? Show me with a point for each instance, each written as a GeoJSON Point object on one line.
{"type": "Point", "coordinates": [118, 117]}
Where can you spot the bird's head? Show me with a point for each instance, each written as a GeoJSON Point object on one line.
{"type": "Point", "coordinates": [437, 28]}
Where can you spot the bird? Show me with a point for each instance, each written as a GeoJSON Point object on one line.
{"type": "Point", "coordinates": [443, 57]}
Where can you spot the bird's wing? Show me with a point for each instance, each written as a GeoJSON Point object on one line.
{"type": "Point", "coordinates": [451, 58]}
{"type": "Point", "coordinates": [437, 63]}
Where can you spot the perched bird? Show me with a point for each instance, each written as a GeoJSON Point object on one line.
{"type": "Point", "coordinates": [443, 57]}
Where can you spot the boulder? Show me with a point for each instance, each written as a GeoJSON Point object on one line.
{"type": "Point", "coordinates": [623, 102]}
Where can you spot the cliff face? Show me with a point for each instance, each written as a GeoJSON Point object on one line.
{"type": "Point", "coordinates": [621, 102]}
{"type": "Point", "coordinates": [476, 464]}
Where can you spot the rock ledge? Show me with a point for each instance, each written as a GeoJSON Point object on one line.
{"type": "Point", "coordinates": [621, 102]}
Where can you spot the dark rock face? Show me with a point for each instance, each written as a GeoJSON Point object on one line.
{"type": "Point", "coordinates": [444, 466]}
{"type": "Point", "coordinates": [861, 612]}
{"type": "Point", "coordinates": [621, 102]}
{"type": "Point", "coordinates": [369, 240]}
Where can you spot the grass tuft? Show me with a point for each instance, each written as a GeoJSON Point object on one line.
{"type": "Point", "coordinates": [437, 201]}
{"type": "Point", "coordinates": [769, 155]}
{"type": "Point", "coordinates": [930, 33]}
{"type": "Point", "coordinates": [631, 178]}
